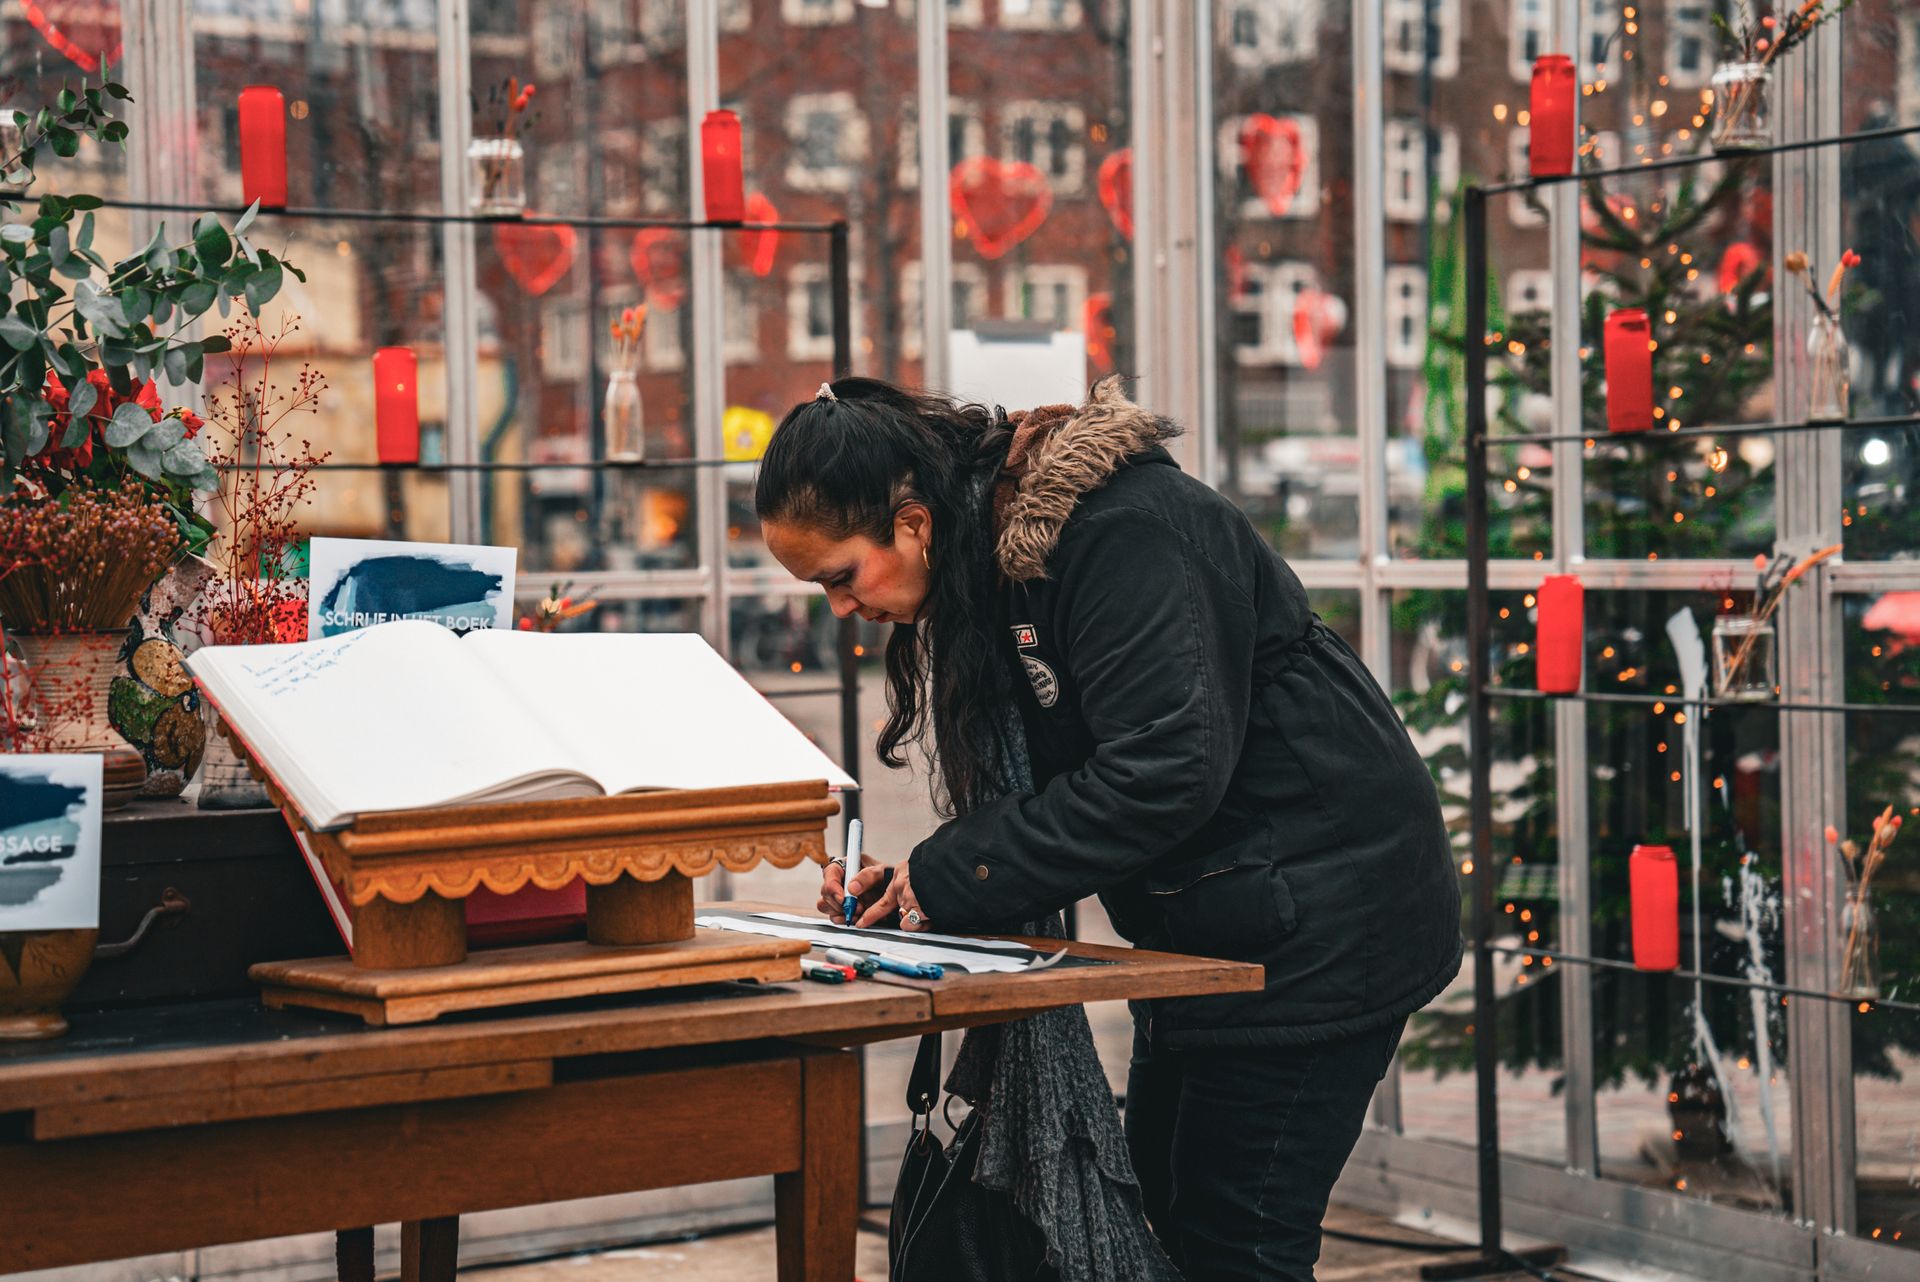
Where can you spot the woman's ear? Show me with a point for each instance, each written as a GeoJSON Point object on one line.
{"type": "Point", "coordinates": [913, 523]}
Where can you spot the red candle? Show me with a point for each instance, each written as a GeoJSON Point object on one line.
{"type": "Point", "coordinates": [396, 404]}
{"type": "Point", "coordinates": [1629, 342]}
{"type": "Point", "coordinates": [263, 147]}
{"type": "Point", "coordinates": [721, 166]}
{"type": "Point", "coordinates": [1560, 621]}
{"type": "Point", "coordinates": [1654, 886]}
{"type": "Point", "coordinates": [1550, 127]}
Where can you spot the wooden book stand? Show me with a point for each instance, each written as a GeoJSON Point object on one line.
{"type": "Point", "coordinates": [404, 874]}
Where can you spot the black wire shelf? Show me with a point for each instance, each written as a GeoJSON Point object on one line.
{"type": "Point", "coordinates": [1595, 440]}
{"type": "Point", "coordinates": [1677, 701]}
{"type": "Point", "coordinates": [1694, 976]}
{"type": "Point", "coordinates": [430, 218]}
{"type": "Point", "coordinates": [1651, 166]}
{"type": "Point", "coordinates": [594, 465]}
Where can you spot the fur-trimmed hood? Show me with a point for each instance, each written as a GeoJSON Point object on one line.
{"type": "Point", "coordinates": [1060, 452]}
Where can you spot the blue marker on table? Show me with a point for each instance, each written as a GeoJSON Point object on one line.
{"type": "Point", "coordinates": [852, 903]}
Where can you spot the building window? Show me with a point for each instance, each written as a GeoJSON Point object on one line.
{"type": "Point", "coordinates": [1599, 40]}
{"type": "Point", "coordinates": [663, 165]}
{"type": "Point", "coordinates": [735, 15]}
{"type": "Point", "coordinates": [622, 184]}
{"type": "Point", "coordinates": [1406, 316]}
{"type": "Point", "coordinates": [1260, 33]}
{"type": "Point", "coordinates": [809, 314]}
{"type": "Point", "coordinates": [740, 323]}
{"type": "Point", "coordinates": [827, 137]}
{"type": "Point", "coordinates": [563, 342]}
{"type": "Point", "coordinates": [966, 137]}
{"type": "Point", "coordinates": [660, 345]}
{"type": "Point", "coordinates": [1040, 15]}
{"type": "Point", "coordinates": [1290, 185]}
{"type": "Point", "coordinates": [815, 13]}
{"type": "Point", "coordinates": [1046, 135]}
{"type": "Point", "coordinates": [1407, 31]}
{"type": "Point", "coordinates": [969, 303]}
{"type": "Point", "coordinates": [1529, 291]}
{"type": "Point", "coordinates": [1524, 210]}
{"type": "Point", "coordinates": [1527, 37]}
{"type": "Point", "coordinates": [1407, 183]}
{"type": "Point", "coordinates": [1056, 294]}
{"type": "Point", "coordinates": [556, 41]}
{"type": "Point", "coordinates": [1264, 312]}
{"type": "Point", "coordinates": [1690, 40]}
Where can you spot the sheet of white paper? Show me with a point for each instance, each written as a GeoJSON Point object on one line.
{"type": "Point", "coordinates": [912, 948]}
{"type": "Point", "coordinates": [356, 583]}
{"type": "Point", "coordinates": [50, 841]}
{"type": "Point", "coordinates": [1049, 369]}
{"type": "Point", "coordinates": [909, 937]}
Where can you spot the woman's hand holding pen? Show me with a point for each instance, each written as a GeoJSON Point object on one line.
{"type": "Point", "coordinates": [868, 884]}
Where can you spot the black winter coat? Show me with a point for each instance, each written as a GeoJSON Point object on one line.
{"type": "Point", "coordinates": [1208, 757]}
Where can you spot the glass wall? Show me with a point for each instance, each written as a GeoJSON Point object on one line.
{"type": "Point", "coordinates": [1333, 413]}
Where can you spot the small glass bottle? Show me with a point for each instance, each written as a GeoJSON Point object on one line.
{"type": "Point", "coordinates": [1829, 370]}
{"type": "Point", "coordinates": [498, 177]}
{"type": "Point", "coordinates": [625, 418]}
{"type": "Point", "coordinates": [1742, 106]}
{"type": "Point", "coordinates": [1743, 658]}
{"type": "Point", "coordinates": [1859, 950]}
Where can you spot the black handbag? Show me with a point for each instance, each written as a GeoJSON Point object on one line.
{"type": "Point", "coordinates": [946, 1228]}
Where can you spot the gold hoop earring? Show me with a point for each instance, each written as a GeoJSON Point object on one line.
{"type": "Point", "coordinates": [924, 558]}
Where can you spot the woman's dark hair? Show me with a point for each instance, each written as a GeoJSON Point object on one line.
{"type": "Point", "coordinates": [846, 467]}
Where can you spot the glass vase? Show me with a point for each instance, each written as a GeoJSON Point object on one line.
{"type": "Point", "coordinates": [626, 421]}
{"type": "Point", "coordinates": [1859, 950]}
{"type": "Point", "coordinates": [225, 781]}
{"type": "Point", "coordinates": [1743, 658]}
{"type": "Point", "coordinates": [1829, 370]}
{"type": "Point", "coordinates": [498, 182]}
{"type": "Point", "coordinates": [1742, 107]}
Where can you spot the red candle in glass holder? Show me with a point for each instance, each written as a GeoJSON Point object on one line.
{"type": "Point", "coordinates": [263, 147]}
{"type": "Point", "coordinates": [1654, 889]}
{"type": "Point", "coordinates": [1560, 629]}
{"type": "Point", "coordinates": [725, 183]}
{"type": "Point", "coordinates": [396, 404]}
{"type": "Point", "coordinates": [1550, 128]}
{"type": "Point", "coordinates": [1629, 344]}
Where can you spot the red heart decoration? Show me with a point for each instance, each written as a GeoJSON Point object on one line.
{"type": "Point", "coordinates": [1275, 159]}
{"type": "Point", "coordinates": [758, 248]}
{"type": "Point", "coordinates": [659, 264]}
{"type": "Point", "coordinates": [998, 203]}
{"type": "Point", "coordinates": [1116, 189]}
{"type": "Point", "coordinates": [85, 31]}
{"type": "Point", "coordinates": [1097, 322]}
{"type": "Point", "coordinates": [538, 255]}
{"type": "Point", "coordinates": [1740, 261]}
{"type": "Point", "coordinates": [1317, 319]}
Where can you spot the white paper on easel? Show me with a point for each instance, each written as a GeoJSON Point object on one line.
{"type": "Point", "coordinates": [50, 841]}
{"type": "Point", "coordinates": [1017, 368]}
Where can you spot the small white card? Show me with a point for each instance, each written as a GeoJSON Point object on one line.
{"type": "Point", "coordinates": [357, 583]}
{"type": "Point", "coordinates": [49, 841]}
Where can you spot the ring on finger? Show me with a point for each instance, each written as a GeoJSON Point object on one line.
{"type": "Point", "coordinates": [913, 917]}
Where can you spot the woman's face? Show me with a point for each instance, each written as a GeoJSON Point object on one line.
{"type": "Point", "coordinates": [881, 584]}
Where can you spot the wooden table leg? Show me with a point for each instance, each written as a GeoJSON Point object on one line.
{"type": "Point", "coordinates": [429, 1249]}
{"type": "Point", "coordinates": [353, 1255]}
{"type": "Point", "coordinates": [816, 1208]}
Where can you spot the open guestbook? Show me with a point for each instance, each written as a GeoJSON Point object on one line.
{"type": "Point", "coordinates": [408, 716]}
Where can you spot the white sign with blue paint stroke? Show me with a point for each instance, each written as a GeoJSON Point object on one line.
{"type": "Point", "coordinates": [357, 583]}
{"type": "Point", "coordinates": [49, 841]}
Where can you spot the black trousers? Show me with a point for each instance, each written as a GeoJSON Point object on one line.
{"type": "Point", "coordinates": [1237, 1149]}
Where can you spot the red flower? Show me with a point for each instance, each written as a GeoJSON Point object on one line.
{"type": "Point", "coordinates": [1849, 259]}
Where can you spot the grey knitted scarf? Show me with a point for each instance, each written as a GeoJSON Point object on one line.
{"type": "Point", "coordinates": [1050, 1134]}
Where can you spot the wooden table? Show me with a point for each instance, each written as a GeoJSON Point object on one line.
{"type": "Point", "coordinates": [170, 1128]}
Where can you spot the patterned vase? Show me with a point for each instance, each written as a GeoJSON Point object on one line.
{"type": "Point", "coordinates": [71, 677]}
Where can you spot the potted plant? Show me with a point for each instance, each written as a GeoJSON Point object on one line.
{"type": "Point", "coordinates": [1743, 86]}
{"type": "Point", "coordinates": [99, 480]}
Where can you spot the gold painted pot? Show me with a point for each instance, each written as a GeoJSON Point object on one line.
{"type": "Point", "coordinates": [39, 969]}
